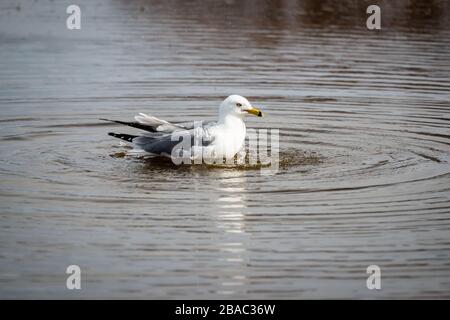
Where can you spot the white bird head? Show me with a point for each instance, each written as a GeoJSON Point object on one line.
{"type": "Point", "coordinates": [237, 106]}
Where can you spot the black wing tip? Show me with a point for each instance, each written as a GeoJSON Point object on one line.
{"type": "Point", "coordinates": [136, 125]}
{"type": "Point", "coordinates": [126, 137]}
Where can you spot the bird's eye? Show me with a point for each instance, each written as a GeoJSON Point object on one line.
{"type": "Point", "coordinates": [238, 105]}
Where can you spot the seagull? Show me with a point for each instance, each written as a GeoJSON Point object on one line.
{"type": "Point", "coordinates": [212, 140]}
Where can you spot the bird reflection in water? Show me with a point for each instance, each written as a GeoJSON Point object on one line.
{"type": "Point", "coordinates": [231, 213]}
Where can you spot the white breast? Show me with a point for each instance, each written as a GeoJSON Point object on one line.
{"type": "Point", "coordinates": [229, 138]}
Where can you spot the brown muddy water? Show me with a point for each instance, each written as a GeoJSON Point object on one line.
{"type": "Point", "coordinates": [364, 141]}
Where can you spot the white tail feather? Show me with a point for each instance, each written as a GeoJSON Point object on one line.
{"type": "Point", "coordinates": [149, 120]}
{"type": "Point", "coordinates": [158, 124]}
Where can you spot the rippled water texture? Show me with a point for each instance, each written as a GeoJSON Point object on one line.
{"type": "Point", "coordinates": [364, 137]}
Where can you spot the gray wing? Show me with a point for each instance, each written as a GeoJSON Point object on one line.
{"type": "Point", "coordinates": [190, 125]}
{"type": "Point", "coordinates": [155, 125]}
{"type": "Point", "coordinates": [186, 139]}
{"type": "Point", "coordinates": [163, 126]}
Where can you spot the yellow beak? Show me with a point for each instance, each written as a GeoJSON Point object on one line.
{"type": "Point", "coordinates": [255, 112]}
